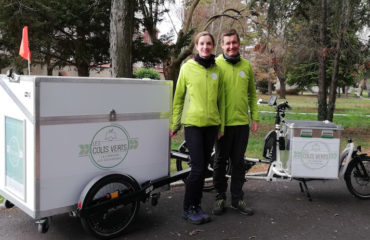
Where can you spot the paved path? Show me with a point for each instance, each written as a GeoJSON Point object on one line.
{"type": "Point", "coordinates": [282, 212]}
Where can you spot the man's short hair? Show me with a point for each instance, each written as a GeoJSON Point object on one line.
{"type": "Point", "coordinates": [228, 33]}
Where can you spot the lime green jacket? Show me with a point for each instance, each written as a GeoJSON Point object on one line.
{"type": "Point", "coordinates": [240, 92]}
{"type": "Point", "coordinates": [199, 97]}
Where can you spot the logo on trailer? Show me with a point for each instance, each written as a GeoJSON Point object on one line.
{"type": "Point", "coordinates": [315, 155]}
{"type": "Point", "coordinates": [109, 146]}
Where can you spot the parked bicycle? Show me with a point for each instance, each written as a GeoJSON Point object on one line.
{"type": "Point", "coordinates": [303, 151]}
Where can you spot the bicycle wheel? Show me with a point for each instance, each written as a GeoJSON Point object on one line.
{"type": "Point", "coordinates": [357, 177]}
{"type": "Point", "coordinates": [208, 184]}
{"type": "Point", "coordinates": [184, 164]}
{"type": "Point", "coordinates": [111, 221]}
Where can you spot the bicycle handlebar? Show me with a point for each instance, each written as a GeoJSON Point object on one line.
{"type": "Point", "coordinates": [283, 106]}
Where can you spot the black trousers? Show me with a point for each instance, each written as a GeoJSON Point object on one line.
{"type": "Point", "coordinates": [200, 141]}
{"type": "Point", "coordinates": [231, 146]}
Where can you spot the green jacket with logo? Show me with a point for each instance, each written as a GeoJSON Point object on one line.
{"type": "Point", "coordinates": [240, 92]}
{"type": "Point", "coordinates": [199, 97]}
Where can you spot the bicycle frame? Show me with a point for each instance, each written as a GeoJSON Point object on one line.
{"type": "Point", "coordinates": [287, 138]}
{"type": "Point", "coordinates": [346, 158]}
{"type": "Point", "coordinates": [277, 173]}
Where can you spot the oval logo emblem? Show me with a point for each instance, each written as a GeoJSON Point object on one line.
{"type": "Point", "coordinates": [214, 76]}
{"type": "Point", "coordinates": [242, 74]}
{"type": "Point", "coordinates": [109, 146]}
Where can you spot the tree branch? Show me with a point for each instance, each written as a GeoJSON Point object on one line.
{"type": "Point", "coordinates": [190, 15]}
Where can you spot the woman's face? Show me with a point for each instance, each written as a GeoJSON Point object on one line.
{"type": "Point", "coordinates": [205, 46]}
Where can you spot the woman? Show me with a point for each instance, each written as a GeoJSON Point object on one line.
{"type": "Point", "coordinates": [199, 106]}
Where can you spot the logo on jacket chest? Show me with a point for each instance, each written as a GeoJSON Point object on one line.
{"type": "Point", "coordinates": [242, 74]}
{"type": "Point", "coordinates": [214, 76]}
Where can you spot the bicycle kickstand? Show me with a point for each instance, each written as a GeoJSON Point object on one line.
{"type": "Point", "coordinates": [304, 189]}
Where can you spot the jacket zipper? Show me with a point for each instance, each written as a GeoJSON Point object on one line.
{"type": "Point", "coordinates": [207, 93]}
{"type": "Point", "coordinates": [234, 82]}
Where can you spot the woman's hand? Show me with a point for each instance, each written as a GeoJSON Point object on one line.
{"type": "Point", "coordinates": [220, 135]}
{"type": "Point", "coordinates": [172, 133]}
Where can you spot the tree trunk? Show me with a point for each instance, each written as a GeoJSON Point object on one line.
{"type": "Point", "coordinates": [321, 97]}
{"type": "Point", "coordinates": [281, 78]}
{"type": "Point", "coordinates": [49, 70]}
{"type": "Point", "coordinates": [121, 32]}
{"type": "Point", "coordinates": [171, 66]}
{"type": "Point", "coordinates": [171, 72]}
{"type": "Point", "coordinates": [49, 66]}
{"type": "Point", "coordinates": [220, 30]}
{"type": "Point", "coordinates": [83, 69]}
{"type": "Point", "coordinates": [269, 88]}
{"type": "Point", "coordinates": [47, 60]}
{"type": "Point", "coordinates": [345, 91]}
{"type": "Point", "coordinates": [334, 79]}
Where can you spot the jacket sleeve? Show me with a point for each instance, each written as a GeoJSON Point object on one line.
{"type": "Point", "coordinates": [178, 102]}
{"type": "Point", "coordinates": [221, 102]}
{"type": "Point", "coordinates": [252, 96]}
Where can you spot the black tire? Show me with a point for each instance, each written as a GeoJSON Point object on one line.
{"type": "Point", "coordinates": [357, 177]}
{"type": "Point", "coordinates": [113, 221]}
{"type": "Point", "coordinates": [180, 163]}
{"type": "Point", "coordinates": [8, 204]}
{"type": "Point", "coordinates": [43, 227]}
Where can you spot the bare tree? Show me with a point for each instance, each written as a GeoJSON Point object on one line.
{"type": "Point", "coordinates": [121, 32]}
{"type": "Point", "coordinates": [183, 47]}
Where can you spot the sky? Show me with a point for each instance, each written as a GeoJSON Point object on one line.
{"type": "Point", "coordinates": [173, 19]}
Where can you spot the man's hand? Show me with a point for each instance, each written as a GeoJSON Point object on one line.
{"type": "Point", "coordinates": [254, 126]}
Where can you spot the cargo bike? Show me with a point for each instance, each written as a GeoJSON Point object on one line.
{"type": "Point", "coordinates": [91, 147]}
{"type": "Point", "coordinates": [303, 151]}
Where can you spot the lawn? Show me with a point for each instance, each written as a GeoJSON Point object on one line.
{"type": "Point", "coordinates": [351, 112]}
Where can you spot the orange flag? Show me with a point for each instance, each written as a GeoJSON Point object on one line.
{"type": "Point", "coordinates": [24, 51]}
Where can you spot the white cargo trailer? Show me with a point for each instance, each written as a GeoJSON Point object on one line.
{"type": "Point", "coordinates": [60, 136]}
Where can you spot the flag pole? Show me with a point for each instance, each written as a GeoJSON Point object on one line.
{"type": "Point", "coordinates": [29, 67]}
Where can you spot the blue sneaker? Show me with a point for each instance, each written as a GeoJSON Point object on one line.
{"type": "Point", "coordinates": [205, 216]}
{"type": "Point", "coordinates": [193, 216]}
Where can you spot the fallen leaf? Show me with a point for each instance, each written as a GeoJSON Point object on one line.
{"type": "Point", "coordinates": [195, 232]}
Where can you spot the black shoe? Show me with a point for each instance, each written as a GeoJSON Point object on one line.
{"type": "Point", "coordinates": [241, 206]}
{"type": "Point", "coordinates": [219, 207]}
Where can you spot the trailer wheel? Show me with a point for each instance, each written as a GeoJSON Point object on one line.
{"type": "Point", "coordinates": [43, 225]}
{"type": "Point", "coordinates": [8, 204]}
{"type": "Point", "coordinates": [112, 221]}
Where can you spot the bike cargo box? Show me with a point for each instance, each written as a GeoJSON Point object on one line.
{"type": "Point", "coordinates": [312, 149]}
{"type": "Point", "coordinates": [58, 133]}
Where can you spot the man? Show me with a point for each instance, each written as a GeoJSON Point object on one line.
{"type": "Point", "coordinates": [241, 110]}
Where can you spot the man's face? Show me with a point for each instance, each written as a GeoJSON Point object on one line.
{"type": "Point", "coordinates": [230, 45]}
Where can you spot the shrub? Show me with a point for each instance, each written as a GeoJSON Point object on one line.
{"type": "Point", "coordinates": [290, 91]}
{"type": "Point", "coordinates": [263, 86]}
{"type": "Point", "coordinates": [147, 73]}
